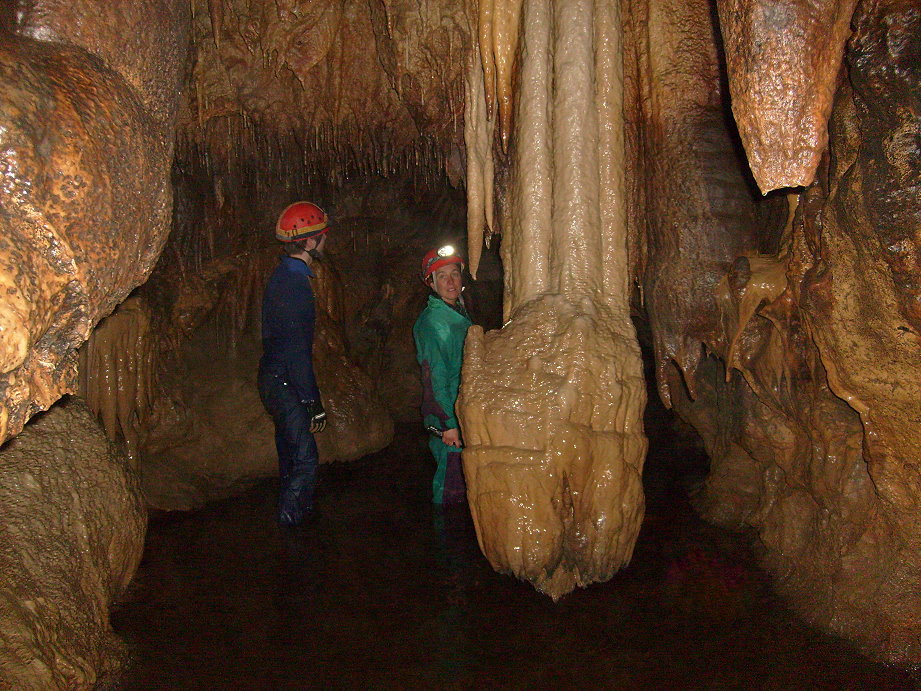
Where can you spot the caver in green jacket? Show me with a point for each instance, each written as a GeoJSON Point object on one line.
{"type": "Point", "coordinates": [439, 333]}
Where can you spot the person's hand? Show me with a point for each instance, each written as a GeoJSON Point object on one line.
{"type": "Point", "coordinates": [317, 417]}
{"type": "Point", "coordinates": [451, 437]}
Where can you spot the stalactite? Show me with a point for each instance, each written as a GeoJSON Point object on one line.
{"type": "Point", "coordinates": [611, 156]}
{"type": "Point", "coordinates": [116, 372]}
{"type": "Point", "coordinates": [487, 58]}
{"type": "Point", "coordinates": [478, 136]}
{"type": "Point", "coordinates": [526, 247]}
{"type": "Point", "coordinates": [506, 18]}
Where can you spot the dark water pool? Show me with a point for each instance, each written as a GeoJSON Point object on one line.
{"type": "Point", "coordinates": [384, 592]}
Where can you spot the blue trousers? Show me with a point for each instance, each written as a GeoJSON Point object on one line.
{"type": "Point", "coordinates": [296, 446]}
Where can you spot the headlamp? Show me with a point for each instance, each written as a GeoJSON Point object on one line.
{"type": "Point", "coordinates": [446, 251]}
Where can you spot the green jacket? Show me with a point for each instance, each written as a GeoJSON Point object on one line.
{"type": "Point", "coordinates": [439, 332]}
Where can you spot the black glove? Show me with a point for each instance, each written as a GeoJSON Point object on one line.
{"type": "Point", "coordinates": [317, 416]}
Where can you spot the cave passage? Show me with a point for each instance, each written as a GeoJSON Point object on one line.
{"type": "Point", "coordinates": [383, 592]}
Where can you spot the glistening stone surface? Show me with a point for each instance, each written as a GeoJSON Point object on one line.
{"type": "Point", "coordinates": [84, 180]}
{"type": "Point", "coordinates": [783, 329]}
{"type": "Point", "coordinates": [554, 454]}
{"type": "Point", "coordinates": [783, 59]}
{"type": "Point", "coordinates": [551, 405]}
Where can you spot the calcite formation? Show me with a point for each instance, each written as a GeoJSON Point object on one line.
{"type": "Point", "coordinates": [551, 405]}
{"type": "Point", "coordinates": [117, 372]}
{"type": "Point", "coordinates": [89, 96]}
{"type": "Point", "coordinates": [358, 87]}
{"type": "Point", "coordinates": [72, 524]}
{"type": "Point", "coordinates": [90, 92]}
{"type": "Point", "coordinates": [784, 327]}
{"type": "Point", "coordinates": [783, 59]}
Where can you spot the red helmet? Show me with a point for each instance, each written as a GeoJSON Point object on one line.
{"type": "Point", "coordinates": [301, 220]}
{"type": "Point", "coordinates": [435, 259]}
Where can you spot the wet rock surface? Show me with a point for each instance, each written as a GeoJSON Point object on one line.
{"type": "Point", "coordinates": [383, 592]}
{"type": "Point", "coordinates": [86, 148]}
{"type": "Point", "coordinates": [551, 404]}
{"type": "Point", "coordinates": [783, 326]}
{"type": "Point", "coordinates": [553, 459]}
{"type": "Point", "coordinates": [72, 524]}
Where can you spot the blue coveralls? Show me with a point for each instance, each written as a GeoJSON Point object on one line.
{"type": "Point", "coordinates": [287, 384]}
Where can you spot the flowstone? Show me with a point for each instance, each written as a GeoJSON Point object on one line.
{"type": "Point", "coordinates": [72, 523]}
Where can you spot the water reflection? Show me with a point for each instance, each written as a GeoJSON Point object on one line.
{"type": "Point", "coordinates": [386, 591]}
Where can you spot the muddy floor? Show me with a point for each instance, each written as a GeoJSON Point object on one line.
{"type": "Point", "coordinates": [384, 592]}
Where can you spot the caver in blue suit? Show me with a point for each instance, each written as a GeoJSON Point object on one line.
{"type": "Point", "coordinates": [287, 384]}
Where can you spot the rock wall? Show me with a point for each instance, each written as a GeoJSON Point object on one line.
{"type": "Point", "coordinates": [206, 434]}
{"type": "Point", "coordinates": [360, 88]}
{"type": "Point", "coordinates": [72, 523]}
{"type": "Point", "coordinates": [90, 92]}
{"type": "Point", "coordinates": [783, 326]}
{"type": "Point", "coordinates": [87, 109]}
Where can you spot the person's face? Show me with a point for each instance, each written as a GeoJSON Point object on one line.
{"type": "Point", "coordinates": [447, 282]}
{"type": "Point", "coordinates": [314, 247]}
{"type": "Point", "coordinates": [318, 244]}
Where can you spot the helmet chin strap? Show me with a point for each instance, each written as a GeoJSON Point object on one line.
{"type": "Point", "coordinates": [315, 254]}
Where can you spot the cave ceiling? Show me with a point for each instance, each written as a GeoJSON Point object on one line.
{"type": "Point", "coordinates": [358, 87]}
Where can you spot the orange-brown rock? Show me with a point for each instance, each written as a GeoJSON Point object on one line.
{"type": "Point", "coordinates": [783, 328]}
{"type": "Point", "coordinates": [86, 150]}
{"type": "Point", "coordinates": [72, 524]}
{"type": "Point", "coordinates": [783, 60]}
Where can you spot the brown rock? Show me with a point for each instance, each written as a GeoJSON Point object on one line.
{"type": "Point", "coordinates": [85, 154]}
{"type": "Point", "coordinates": [72, 525]}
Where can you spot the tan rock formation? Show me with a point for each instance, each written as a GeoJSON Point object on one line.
{"type": "Point", "coordinates": [551, 405]}
{"type": "Point", "coordinates": [360, 88]}
{"type": "Point", "coordinates": [89, 95]}
{"type": "Point", "coordinates": [72, 525]}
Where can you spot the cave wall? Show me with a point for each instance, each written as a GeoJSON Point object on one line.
{"type": "Point", "coordinates": [356, 87]}
{"type": "Point", "coordinates": [72, 523]}
{"type": "Point", "coordinates": [88, 110]}
{"type": "Point", "coordinates": [785, 327]}
{"type": "Point", "coordinates": [760, 339]}
{"type": "Point", "coordinates": [782, 325]}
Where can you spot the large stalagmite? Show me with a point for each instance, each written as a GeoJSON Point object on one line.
{"type": "Point", "coordinates": [551, 405]}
